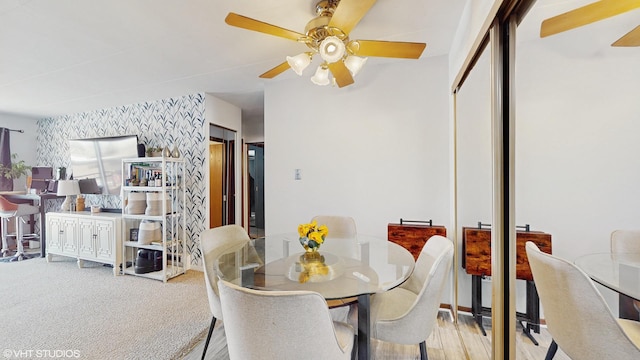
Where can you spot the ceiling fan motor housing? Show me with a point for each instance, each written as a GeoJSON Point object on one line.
{"type": "Point", "coordinates": [317, 29]}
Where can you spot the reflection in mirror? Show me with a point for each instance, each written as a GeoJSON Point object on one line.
{"type": "Point", "coordinates": [474, 195]}
{"type": "Point", "coordinates": [577, 168]}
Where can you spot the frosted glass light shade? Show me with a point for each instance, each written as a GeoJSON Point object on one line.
{"type": "Point", "coordinates": [332, 49]}
{"type": "Point", "coordinates": [321, 77]}
{"type": "Point", "coordinates": [299, 62]}
{"type": "Point", "coordinates": [354, 64]}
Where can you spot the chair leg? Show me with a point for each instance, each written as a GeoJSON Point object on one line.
{"type": "Point", "coordinates": [206, 344]}
{"type": "Point", "coordinates": [354, 350]}
{"type": "Point", "coordinates": [423, 351]}
{"type": "Point", "coordinates": [19, 236]}
{"type": "Point", "coordinates": [552, 350]}
{"type": "Point", "coordinates": [5, 233]}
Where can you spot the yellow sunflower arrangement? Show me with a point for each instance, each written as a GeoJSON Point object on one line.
{"type": "Point", "coordinates": [312, 235]}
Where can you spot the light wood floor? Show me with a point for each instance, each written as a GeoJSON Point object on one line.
{"type": "Point", "coordinates": [445, 342]}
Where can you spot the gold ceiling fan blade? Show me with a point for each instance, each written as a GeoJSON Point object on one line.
{"type": "Point", "coordinates": [632, 38]}
{"type": "Point", "coordinates": [341, 74]}
{"type": "Point", "coordinates": [394, 49]}
{"type": "Point", "coordinates": [349, 13]}
{"type": "Point", "coordinates": [270, 74]}
{"type": "Point", "coordinates": [586, 15]}
{"type": "Point", "coordinates": [244, 22]}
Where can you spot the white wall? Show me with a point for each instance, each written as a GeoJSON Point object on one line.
{"type": "Point", "coordinates": [22, 144]}
{"type": "Point", "coordinates": [577, 146]}
{"type": "Point", "coordinates": [376, 151]}
{"type": "Point", "coordinates": [221, 113]}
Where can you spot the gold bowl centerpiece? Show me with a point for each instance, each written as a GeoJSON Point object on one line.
{"type": "Point", "coordinates": [312, 235]}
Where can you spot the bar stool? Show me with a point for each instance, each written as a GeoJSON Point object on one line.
{"type": "Point", "coordinates": [7, 211]}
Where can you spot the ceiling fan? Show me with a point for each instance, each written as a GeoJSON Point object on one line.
{"type": "Point", "coordinates": [327, 34]}
{"type": "Point", "coordinates": [590, 13]}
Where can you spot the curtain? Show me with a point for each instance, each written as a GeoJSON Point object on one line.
{"type": "Point", "coordinates": [5, 159]}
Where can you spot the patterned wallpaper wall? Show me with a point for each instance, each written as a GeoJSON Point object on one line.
{"type": "Point", "coordinates": [176, 121]}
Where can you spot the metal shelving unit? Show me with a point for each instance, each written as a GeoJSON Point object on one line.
{"type": "Point", "coordinates": [172, 217]}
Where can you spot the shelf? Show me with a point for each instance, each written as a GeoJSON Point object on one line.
{"type": "Point", "coordinates": [149, 217]}
{"type": "Point", "coordinates": [150, 188]}
{"type": "Point", "coordinates": [157, 275]}
{"type": "Point", "coordinates": [152, 161]}
{"type": "Point", "coordinates": [173, 224]}
{"type": "Point", "coordinates": [136, 244]}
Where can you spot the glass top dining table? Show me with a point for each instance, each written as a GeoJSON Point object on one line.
{"type": "Point", "coordinates": [343, 268]}
{"type": "Point", "coordinates": [618, 272]}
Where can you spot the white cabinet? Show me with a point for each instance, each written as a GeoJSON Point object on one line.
{"type": "Point", "coordinates": [85, 236]}
{"type": "Point", "coordinates": [154, 198]}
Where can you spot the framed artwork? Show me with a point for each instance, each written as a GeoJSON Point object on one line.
{"type": "Point", "coordinates": [133, 234]}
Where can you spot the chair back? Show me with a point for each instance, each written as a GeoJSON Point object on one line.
{"type": "Point", "coordinates": [577, 315]}
{"type": "Point", "coordinates": [339, 226]}
{"type": "Point", "coordinates": [281, 325]}
{"type": "Point", "coordinates": [430, 274]}
{"type": "Point", "coordinates": [625, 241]}
{"type": "Point", "coordinates": [213, 243]}
{"type": "Point", "coordinates": [7, 208]}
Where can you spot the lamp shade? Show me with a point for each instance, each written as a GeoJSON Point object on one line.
{"type": "Point", "coordinates": [322, 76]}
{"type": "Point", "coordinates": [299, 62]}
{"type": "Point", "coordinates": [68, 187]}
{"type": "Point", "coordinates": [332, 49]}
{"type": "Point", "coordinates": [354, 64]}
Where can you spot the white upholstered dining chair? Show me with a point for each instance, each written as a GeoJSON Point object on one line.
{"type": "Point", "coordinates": [213, 243]}
{"type": "Point", "coordinates": [577, 316]}
{"type": "Point", "coordinates": [408, 313]}
{"type": "Point", "coordinates": [281, 325]}
{"type": "Point", "coordinates": [626, 241]}
{"type": "Point", "coordinates": [339, 226]}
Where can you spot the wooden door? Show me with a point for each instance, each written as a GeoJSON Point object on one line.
{"type": "Point", "coordinates": [216, 167]}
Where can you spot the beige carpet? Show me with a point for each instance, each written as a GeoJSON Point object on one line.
{"type": "Point", "coordinates": [58, 307]}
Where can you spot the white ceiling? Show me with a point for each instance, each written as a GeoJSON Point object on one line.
{"type": "Point", "coordinates": [67, 56]}
{"type": "Point", "coordinates": [62, 57]}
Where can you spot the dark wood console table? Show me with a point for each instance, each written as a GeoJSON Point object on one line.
{"type": "Point", "coordinates": [476, 260]}
{"type": "Point", "coordinates": [413, 235]}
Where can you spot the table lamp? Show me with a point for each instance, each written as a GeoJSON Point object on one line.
{"type": "Point", "coordinates": [68, 188]}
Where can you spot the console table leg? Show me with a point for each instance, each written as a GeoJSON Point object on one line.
{"type": "Point", "coordinates": [476, 301]}
{"type": "Point", "coordinates": [533, 307]}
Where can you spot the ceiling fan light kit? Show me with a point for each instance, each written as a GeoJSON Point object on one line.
{"type": "Point", "coordinates": [327, 34]}
{"type": "Point", "coordinates": [332, 49]}
{"type": "Point", "coordinates": [299, 62]}
{"type": "Point", "coordinates": [354, 64]}
{"type": "Point", "coordinates": [321, 77]}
